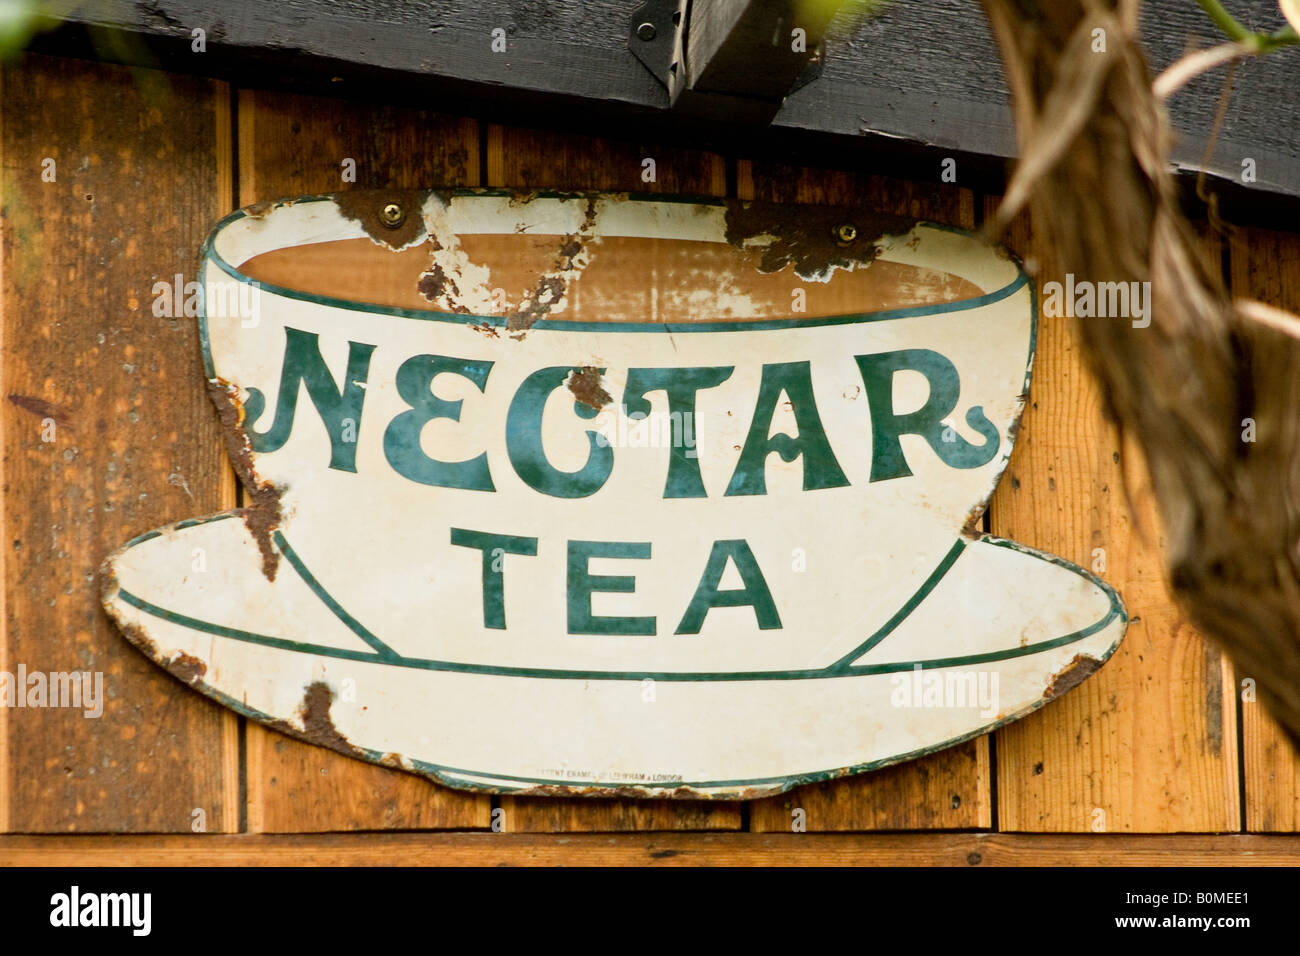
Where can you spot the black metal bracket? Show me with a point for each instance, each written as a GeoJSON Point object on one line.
{"type": "Point", "coordinates": [652, 36]}
{"type": "Point", "coordinates": [658, 36]}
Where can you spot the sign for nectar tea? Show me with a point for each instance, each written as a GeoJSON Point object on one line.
{"type": "Point", "coordinates": [610, 494]}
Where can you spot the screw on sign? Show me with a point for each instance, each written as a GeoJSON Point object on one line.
{"type": "Point", "coordinates": [454, 511]}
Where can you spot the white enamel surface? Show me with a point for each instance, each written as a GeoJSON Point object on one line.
{"type": "Point", "coordinates": [513, 732]}
{"type": "Point", "coordinates": [379, 544]}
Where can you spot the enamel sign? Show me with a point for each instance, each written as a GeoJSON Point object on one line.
{"type": "Point", "coordinates": [611, 495]}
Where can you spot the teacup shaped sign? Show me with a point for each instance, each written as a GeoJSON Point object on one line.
{"type": "Point", "coordinates": [612, 494]}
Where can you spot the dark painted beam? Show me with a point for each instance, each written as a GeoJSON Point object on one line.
{"type": "Point", "coordinates": [902, 90]}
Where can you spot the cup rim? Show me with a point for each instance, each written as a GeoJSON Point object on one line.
{"type": "Point", "coordinates": [209, 254]}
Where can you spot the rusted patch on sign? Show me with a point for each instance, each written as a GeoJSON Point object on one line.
{"type": "Point", "coordinates": [366, 208]}
{"type": "Point", "coordinates": [551, 287]}
{"type": "Point", "coordinates": [436, 286]}
{"type": "Point", "coordinates": [813, 239]}
{"type": "Point", "coordinates": [585, 385]}
{"type": "Point", "coordinates": [187, 668]}
{"type": "Point", "coordinates": [316, 723]}
{"type": "Point", "coordinates": [262, 512]}
{"type": "Point", "coordinates": [1079, 669]}
{"type": "Point", "coordinates": [259, 210]}
{"type": "Point", "coordinates": [131, 631]}
{"type": "Point", "coordinates": [538, 303]}
{"type": "Point", "coordinates": [553, 481]}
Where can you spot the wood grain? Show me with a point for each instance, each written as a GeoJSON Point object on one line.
{"type": "Point", "coordinates": [4, 591]}
{"type": "Point", "coordinates": [1272, 773]}
{"type": "Point", "coordinates": [947, 790]}
{"type": "Point", "coordinates": [1265, 265]}
{"type": "Point", "coordinates": [1147, 744]}
{"type": "Point", "coordinates": [527, 159]}
{"type": "Point", "coordinates": [134, 440]}
{"type": "Point", "coordinates": [970, 850]}
{"type": "Point", "coordinates": [233, 730]}
{"type": "Point", "coordinates": [292, 146]}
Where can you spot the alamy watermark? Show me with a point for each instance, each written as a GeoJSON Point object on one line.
{"type": "Point", "coordinates": [642, 430]}
{"type": "Point", "coordinates": [947, 689]}
{"type": "Point", "coordinates": [216, 300]}
{"type": "Point", "coordinates": [1083, 299]}
{"type": "Point", "coordinates": [81, 690]}
{"type": "Point", "coordinates": [75, 908]}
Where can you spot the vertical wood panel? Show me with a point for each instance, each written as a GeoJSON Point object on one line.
{"type": "Point", "coordinates": [228, 482]}
{"type": "Point", "coordinates": [945, 790]}
{"type": "Point", "coordinates": [1147, 744]}
{"type": "Point", "coordinates": [135, 438]}
{"type": "Point", "coordinates": [4, 444]}
{"type": "Point", "coordinates": [527, 159]}
{"type": "Point", "coordinates": [1272, 773]}
{"type": "Point", "coordinates": [1265, 265]}
{"type": "Point", "coordinates": [292, 146]}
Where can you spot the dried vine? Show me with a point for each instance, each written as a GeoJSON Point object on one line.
{"type": "Point", "coordinates": [1095, 169]}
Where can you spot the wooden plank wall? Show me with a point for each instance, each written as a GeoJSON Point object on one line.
{"type": "Point", "coordinates": [107, 431]}
{"type": "Point", "coordinates": [1159, 741]}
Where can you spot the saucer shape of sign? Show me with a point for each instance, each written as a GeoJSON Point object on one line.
{"type": "Point", "coordinates": [612, 494]}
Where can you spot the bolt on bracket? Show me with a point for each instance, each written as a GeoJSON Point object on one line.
{"type": "Point", "coordinates": [730, 59]}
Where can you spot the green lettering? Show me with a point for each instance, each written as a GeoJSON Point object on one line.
{"type": "Point", "coordinates": [524, 440]}
{"type": "Point", "coordinates": [495, 547]}
{"type": "Point", "coordinates": [303, 364]}
{"type": "Point", "coordinates": [582, 584]}
{"type": "Point", "coordinates": [402, 437]}
{"type": "Point", "coordinates": [680, 384]}
{"type": "Point", "coordinates": [820, 469]}
{"type": "Point", "coordinates": [755, 593]}
{"type": "Point", "coordinates": [887, 459]}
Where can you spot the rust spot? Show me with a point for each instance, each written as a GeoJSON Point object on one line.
{"type": "Point", "coordinates": [259, 210]}
{"type": "Point", "coordinates": [362, 206]}
{"type": "Point", "coordinates": [317, 727]}
{"type": "Point", "coordinates": [585, 385]}
{"type": "Point", "coordinates": [436, 283]}
{"type": "Point", "coordinates": [42, 408]}
{"type": "Point", "coordinates": [262, 512]}
{"type": "Point", "coordinates": [552, 285]}
{"type": "Point", "coordinates": [568, 249]}
{"type": "Point", "coordinates": [316, 723]}
{"type": "Point", "coordinates": [1072, 675]}
{"type": "Point", "coordinates": [804, 236]}
{"type": "Point", "coordinates": [187, 668]}
{"type": "Point", "coordinates": [537, 303]}
{"type": "Point", "coordinates": [183, 667]}
{"type": "Point", "coordinates": [490, 331]}
{"type": "Point", "coordinates": [261, 518]}
{"type": "Point", "coordinates": [136, 635]}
